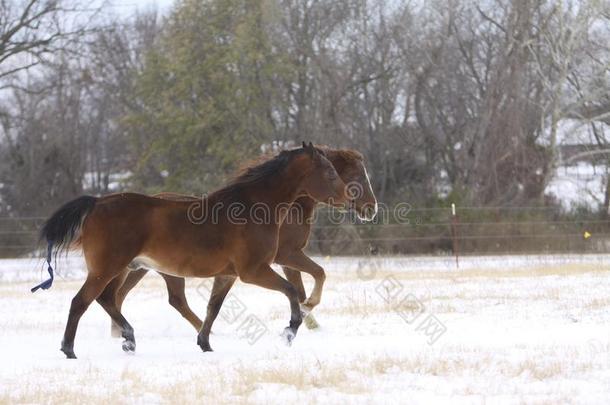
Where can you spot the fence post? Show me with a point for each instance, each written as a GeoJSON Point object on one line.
{"type": "Point", "coordinates": [454, 235]}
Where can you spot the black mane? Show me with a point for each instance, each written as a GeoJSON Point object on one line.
{"type": "Point", "coordinates": [257, 173]}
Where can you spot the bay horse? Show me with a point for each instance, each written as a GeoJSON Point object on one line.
{"type": "Point", "coordinates": [114, 230]}
{"type": "Point", "coordinates": [293, 237]}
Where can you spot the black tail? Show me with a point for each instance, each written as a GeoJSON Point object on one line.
{"type": "Point", "coordinates": [61, 229]}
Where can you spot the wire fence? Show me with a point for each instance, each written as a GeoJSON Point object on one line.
{"type": "Point", "coordinates": [423, 230]}
{"type": "Point", "coordinates": [472, 230]}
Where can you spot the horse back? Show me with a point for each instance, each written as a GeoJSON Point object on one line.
{"type": "Point", "coordinates": [159, 231]}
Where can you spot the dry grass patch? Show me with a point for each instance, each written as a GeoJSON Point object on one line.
{"type": "Point", "coordinates": [459, 275]}
{"type": "Point", "coordinates": [597, 303]}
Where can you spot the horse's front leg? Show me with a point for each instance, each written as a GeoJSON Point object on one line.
{"type": "Point", "coordinates": [297, 260]}
{"type": "Point", "coordinates": [264, 276]}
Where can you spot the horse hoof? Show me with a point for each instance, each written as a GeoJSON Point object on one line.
{"type": "Point", "coordinates": [69, 353]}
{"type": "Point", "coordinates": [205, 347]}
{"type": "Point", "coordinates": [311, 322]}
{"type": "Point", "coordinates": [288, 335]}
{"type": "Point", "coordinates": [129, 346]}
{"type": "Point", "coordinates": [204, 343]}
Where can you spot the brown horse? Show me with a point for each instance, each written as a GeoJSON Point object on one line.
{"type": "Point", "coordinates": [116, 229]}
{"type": "Point", "coordinates": [294, 234]}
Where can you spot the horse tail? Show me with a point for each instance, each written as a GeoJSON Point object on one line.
{"type": "Point", "coordinates": [62, 228]}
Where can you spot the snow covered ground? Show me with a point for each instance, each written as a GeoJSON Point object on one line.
{"type": "Point", "coordinates": [513, 329]}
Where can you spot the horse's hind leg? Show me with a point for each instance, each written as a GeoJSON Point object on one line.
{"type": "Point", "coordinates": [132, 278]}
{"type": "Point", "coordinates": [220, 289]}
{"type": "Point", "coordinates": [91, 289]}
{"type": "Point", "coordinates": [108, 302]}
{"type": "Point", "coordinates": [177, 299]}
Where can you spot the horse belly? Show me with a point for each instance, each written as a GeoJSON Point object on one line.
{"type": "Point", "coordinates": [184, 264]}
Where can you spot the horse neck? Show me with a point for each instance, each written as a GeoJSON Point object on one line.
{"type": "Point", "coordinates": [337, 161]}
{"type": "Point", "coordinates": [282, 189]}
{"type": "Point", "coordinates": [306, 205]}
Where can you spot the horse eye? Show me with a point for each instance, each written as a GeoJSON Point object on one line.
{"type": "Point", "coordinates": [332, 174]}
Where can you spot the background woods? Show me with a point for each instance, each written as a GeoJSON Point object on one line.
{"type": "Point", "coordinates": [480, 103]}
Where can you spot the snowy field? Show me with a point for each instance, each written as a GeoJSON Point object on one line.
{"type": "Point", "coordinates": [513, 329]}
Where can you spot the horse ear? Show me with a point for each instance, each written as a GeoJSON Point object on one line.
{"type": "Point", "coordinates": [304, 144]}
{"type": "Point", "coordinates": [309, 149]}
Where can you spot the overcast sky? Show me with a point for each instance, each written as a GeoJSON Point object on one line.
{"type": "Point", "coordinates": [129, 6]}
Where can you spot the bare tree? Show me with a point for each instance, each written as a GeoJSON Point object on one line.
{"type": "Point", "coordinates": [31, 31]}
{"type": "Point", "coordinates": [564, 47]}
